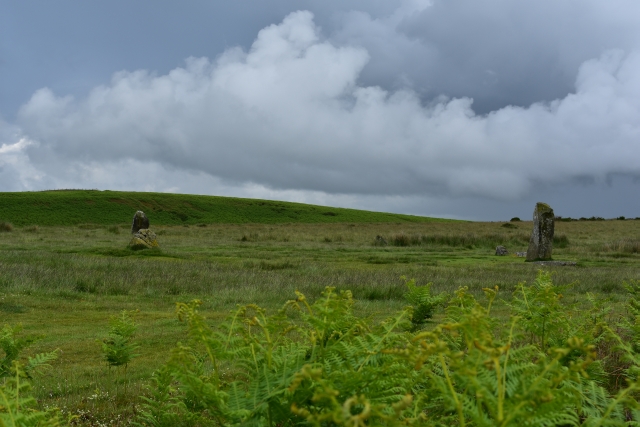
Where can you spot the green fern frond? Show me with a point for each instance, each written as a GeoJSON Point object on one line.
{"type": "Point", "coordinates": [17, 405]}
{"type": "Point", "coordinates": [328, 367]}
{"type": "Point", "coordinates": [39, 362]}
{"type": "Point", "coordinates": [423, 302]}
{"type": "Point", "coordinates": [12, 343]}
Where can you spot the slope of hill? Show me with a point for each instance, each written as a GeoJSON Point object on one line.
{"type": "Point", "coordinates": [73, 207]}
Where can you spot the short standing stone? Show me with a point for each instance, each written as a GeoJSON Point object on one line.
{"type": "Point", "coordinates": [501, 251]}
{"type": "Point", "coordinates": [541, 242]}
{"type": "Point", "coordinates": [140, 222]}
{"type": "Point", "coordinates": [144, 239]}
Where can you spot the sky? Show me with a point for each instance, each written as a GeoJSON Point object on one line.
{"type": "Point", "coordinates": [469, 109]}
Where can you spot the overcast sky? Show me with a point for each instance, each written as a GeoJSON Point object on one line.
{"type": "Point", "coordinates": [471, 109]}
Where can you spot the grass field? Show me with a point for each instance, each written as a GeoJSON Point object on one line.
{"type": "Point", "coordinates": [64, 281]}
{"type": "Point", "coordinates": [74, 207]}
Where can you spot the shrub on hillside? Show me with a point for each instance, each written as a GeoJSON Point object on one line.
{"type": "Point", "coordinates": [564, 219]}
{"type": "Point", "coordinates": [593, 218]}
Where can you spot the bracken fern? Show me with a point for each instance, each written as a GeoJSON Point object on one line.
{"type": "Point", "coordinates": [422, 301]}
{"type": "Point", "coordinates": [17, 405]}
{"type": "Point", "coordinates": [317, 364]}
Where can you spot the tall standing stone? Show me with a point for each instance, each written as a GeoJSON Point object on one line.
{"type": "Point", "coordinates": [541, 242]}
{"type": "Point", "coordinates": [140, 222]}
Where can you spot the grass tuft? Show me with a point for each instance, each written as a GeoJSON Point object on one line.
{"type": "Point", "coordinates": [629, 246]}
{"type": "Point", "coordinates": [114, 229]}
{"type": "Point", "coordinates": [89, 226]}
{"type": "Point", "coordinates": [284, 265]}
{"type": "Point", "coordinates": [117, 289]}
{"type": "Point", "coordinates": [405, 240]}
{"type": "Point", "coordinates": [468, 240]}
{"type": "Point", "coordinates": [379, 293]}
{"type": "Point", "coordinates": [86, 286]}
{"type": "Point", "coordinates": [6, 227]}
{"type": "Point", "coordinates": [251, 237]}
{"type": "Point", "coordinates": [560, 241]}
{"type": "Point", "coordinates": [7, 307]}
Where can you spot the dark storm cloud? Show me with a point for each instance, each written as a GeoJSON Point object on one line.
{"type": "Point", "coordinates": [498, 52]}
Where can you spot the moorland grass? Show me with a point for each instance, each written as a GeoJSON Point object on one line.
{"type": "Point", "coordinates": [93, 207]}
{"type": "Point", "coordinates": [66, 282]}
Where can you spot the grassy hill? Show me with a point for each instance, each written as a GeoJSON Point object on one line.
{"type": "Point", "coordinates": [73, 207]}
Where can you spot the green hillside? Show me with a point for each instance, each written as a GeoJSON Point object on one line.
{"type": "Point", "coordinates": [73, 207]}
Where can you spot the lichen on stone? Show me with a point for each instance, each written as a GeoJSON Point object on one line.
{"type": "Point", "coordinates": [144, 239]}
{"type": "Point", "coordinates": [541, 242]}
{"type": "Point", "coordinates": [140, 222]}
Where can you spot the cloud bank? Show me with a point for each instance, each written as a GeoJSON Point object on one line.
{"type": "Point", "coordinates": [288, 114]}
{"type": "Point", "coordinates": [438, 108]}
{"type": "Point", "coordinates": [498, 52]}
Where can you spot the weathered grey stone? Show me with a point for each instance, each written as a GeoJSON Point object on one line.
{"type": "Point", "coordinates": [501, 251]}
{"type": "Point", "coordinates": [144, 239]}
{"type": "Point", "coordinates": [541, 242]}
{"type": "Point", "coordinates": [521, 254]}
{"type": "Point", "coordinates": [140, 222]}
{"type": "Point", "coordinates": [557, 263]}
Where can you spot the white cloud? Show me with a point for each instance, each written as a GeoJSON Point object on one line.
{"type": "Point", "coordinates": [288, 119]}
{"type": "Point", "coordinates": [16, 171]}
